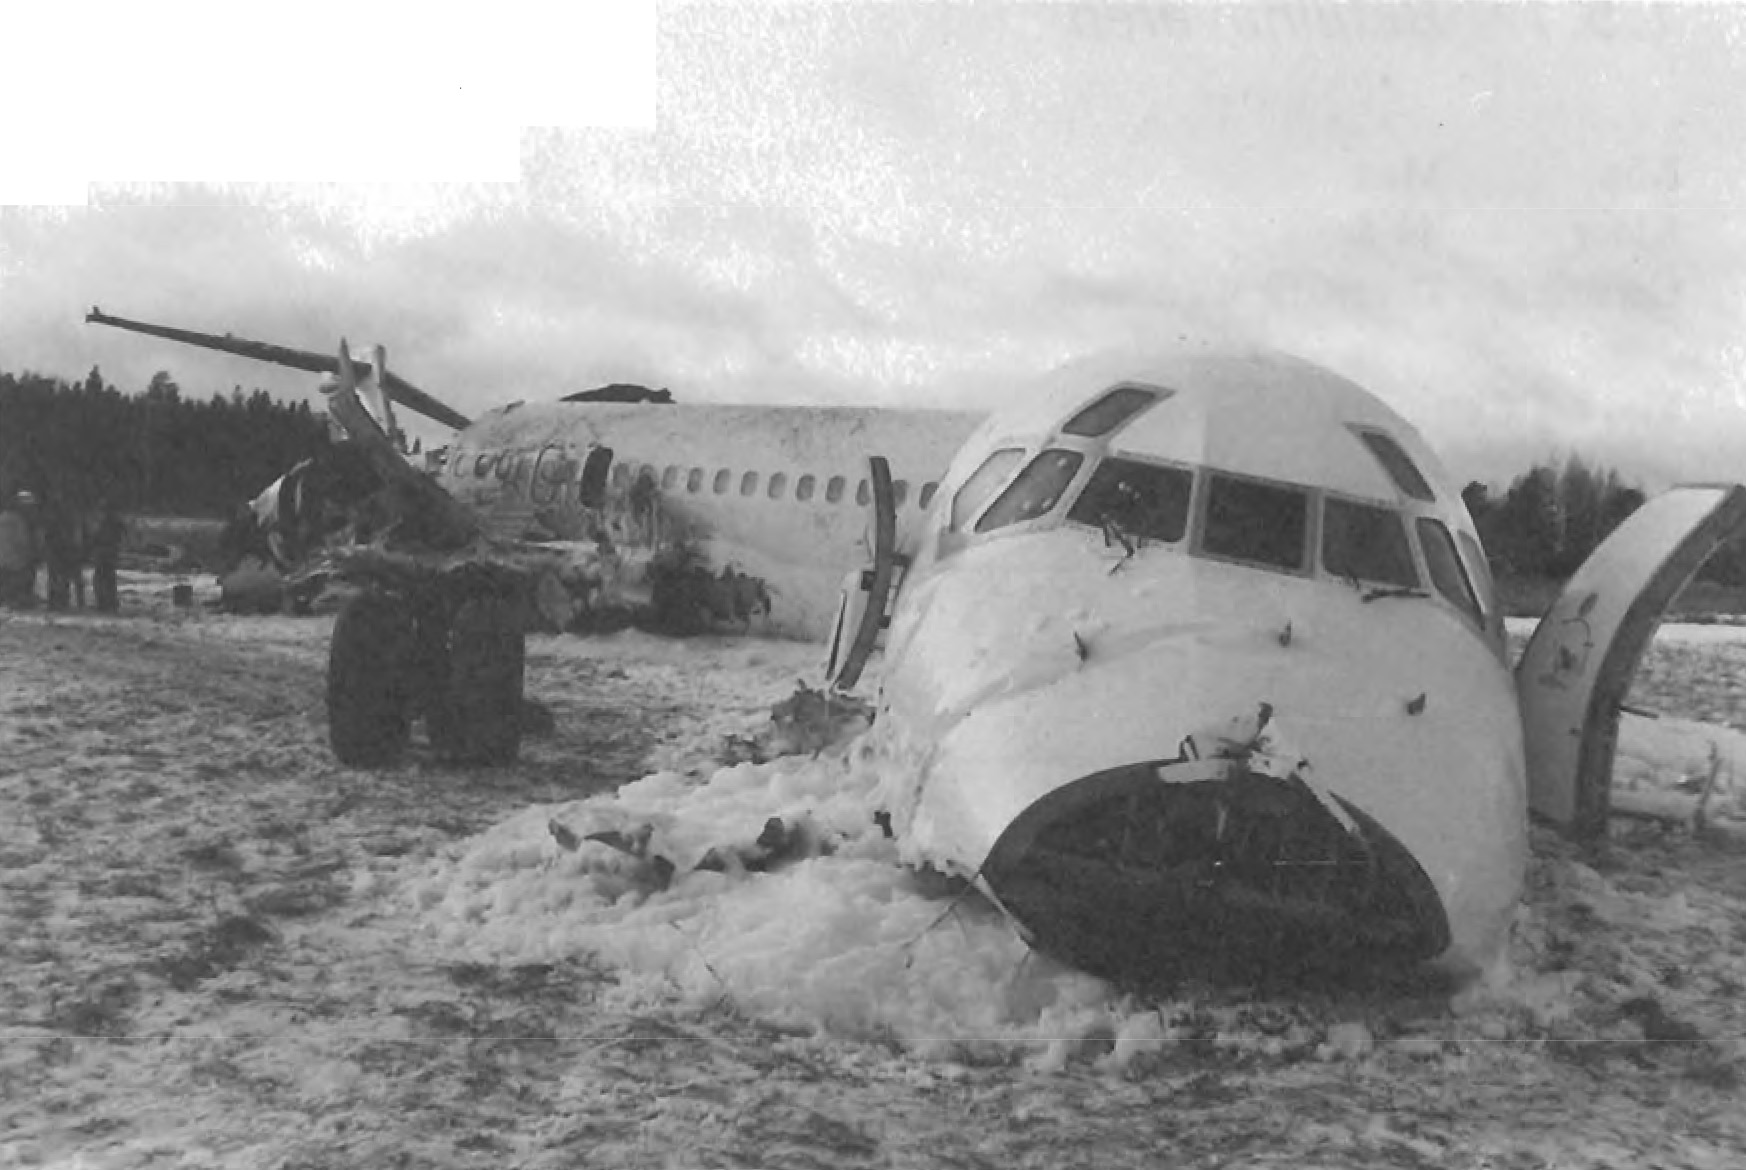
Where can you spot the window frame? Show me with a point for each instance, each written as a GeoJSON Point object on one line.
{"type": "Point", "coordinates": [1312, 522]}
{"type": "Point", "coordinates": [1473, 611]}
{"type": "Point", "coordinates": [1082, 459]}
{"type": "Point", "coordinates": [1194, 489]}
{"type": "Point", "coordinates": [967, 523]}
{"type": "Point", "coordinates": [1156, 394]}
{"type": "Point", "coordinates": [1416, 487]}
{"type": "Point", "coordinates": [1405, 519]}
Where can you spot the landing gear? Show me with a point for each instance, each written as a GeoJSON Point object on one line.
{"type": "Point", "coordinates": [475, 716]}
{"type": "Point", "coordinates": [458, 662]}
{"type": "Point", "coordinates": [369, 683]}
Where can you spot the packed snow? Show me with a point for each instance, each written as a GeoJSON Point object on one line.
{"type": "Point", "coordinates": [222, 949]}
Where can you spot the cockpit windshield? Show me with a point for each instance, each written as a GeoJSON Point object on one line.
{"type": "Point", "coordinates": [1263, 523]}
{"type": "Point", "coordinates": [982, 484]}
{"type": "Point", "coordinates": [1137, 500]}
{"type": "Point", "coordinates": [1037, 489]}
{"type": "Point", "coordinates": [1363, 542]}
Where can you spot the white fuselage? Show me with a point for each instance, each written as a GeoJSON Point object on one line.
{"type": "Point", "coordinates": [778, 493]}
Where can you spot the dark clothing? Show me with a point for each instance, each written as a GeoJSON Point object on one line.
{"type": "Point", "coordinates": [64, 554]}
{"type": "Point", "coordinates": [106, 536]}
{"type": "Point", "coordinates": [18, 556]}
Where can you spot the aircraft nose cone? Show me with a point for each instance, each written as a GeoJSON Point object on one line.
{"type": "Point", "coordinates": [1134, 875]}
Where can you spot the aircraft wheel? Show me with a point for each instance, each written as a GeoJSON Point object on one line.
{"type": "Point", "coordinates": [482, 708]}
{"type": "Point", "coordinates": [368, 698]}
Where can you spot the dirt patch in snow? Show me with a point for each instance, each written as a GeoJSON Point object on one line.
{"type": "Point", "coordinates": [205, 960]}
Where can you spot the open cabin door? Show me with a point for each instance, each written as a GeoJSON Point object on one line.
{"type": "Point", "coordinates": [866, 597]}
{"type": "Point", "coordinates": [1579, 663]}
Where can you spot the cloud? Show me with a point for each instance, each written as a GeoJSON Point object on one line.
{"type": "Point", "coordinates": [1520, 224]}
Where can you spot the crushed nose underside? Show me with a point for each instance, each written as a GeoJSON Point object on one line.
{"type": "Point", "coordinates": [1131, 875]}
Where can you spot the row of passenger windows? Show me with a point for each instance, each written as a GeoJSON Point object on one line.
{"type": "Point", "coordinates": [693, 480]}
{"type": "Point", "coordinates": [1247, 520]}
{"type": "Point", "coordinates": [696, 480]}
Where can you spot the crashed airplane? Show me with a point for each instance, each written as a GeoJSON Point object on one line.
{"type": "Point", "coordinates": [1186, 654]}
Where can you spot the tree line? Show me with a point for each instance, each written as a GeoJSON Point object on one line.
{"type": "Point", "coordinates": [153, 452]}
{"type": "Point", "coordinates": [1552, 516]}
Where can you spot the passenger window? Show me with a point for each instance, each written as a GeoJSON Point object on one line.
{"type": "Point", "coordinates": [722, 478]}
{"type": "Point", "coordinates": [803, 487]}
{"type": "Point", "coordinates": [863, 493]}
{"type": "Point", "coordinates": [1366, 543]}
{"type": "Point", "coordinates": [1400, 467]}
{"type": "Point", "coordinates": [927, 495]}
{"type": "Point", "coordinates": [1136, 499]}
{"type": "Point", "coordinates": [1110, 411]}
{"type": "Point", "coordinates": [1258, 522]}
{"type": "Point", "coordinates": [834, 489]}
{"type": "Point", "coordinates": [482, 465]}
{"type": "Point", "coordinates": [1445, 566]}
{"type": "Point", "coordinates": [899, 493]}
{"type": "Point", "coordinates": [778, 485]}
{"type": "Point", "coordinates": [749, 483]}
{"type": "Point", "coordinates": [621, 474]}
{"type": "Point", "coordinates": [669, 478]}
{"type": "Point", "coordinates": [1037, 489]}
{"type": "Point", "coordinates": [983, 483]}
{"type": "Point", "coordinates": [694, 481]}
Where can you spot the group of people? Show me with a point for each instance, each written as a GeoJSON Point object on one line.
{"type": "Point", "coordinates": [63, 540]}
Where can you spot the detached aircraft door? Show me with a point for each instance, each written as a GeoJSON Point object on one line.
{"type": "Point", "coordinates": [1580, 660]}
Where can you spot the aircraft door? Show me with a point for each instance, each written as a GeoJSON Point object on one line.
{"type": "Point", "coordinates": [866, 595]}
{"type": "Point", "coordinates": [1579, 663]}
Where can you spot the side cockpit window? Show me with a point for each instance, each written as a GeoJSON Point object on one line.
{"type": "Point", "coordinates": [983, 483]}
{"type": "Point", "coordinates": [1479, 571]}
{"type": "Point", "coordinates": [1139, 500]}
{"type": "Point", "coordinates": [1362, 542]}
{"type": "Point", "coordinates": [1110, 411]}
{"type": "Point", "coordinates": [1037, 489]}
{"type": "Point", "coordinates": [1398, 464]}
{"type": "Point", "coordinates": [1444, 564]}
{"type": "Point", "coordinates": [1261, 523]}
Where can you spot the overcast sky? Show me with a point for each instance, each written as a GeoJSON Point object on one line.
{"type": "Point", "coordinates": [1521, 225]}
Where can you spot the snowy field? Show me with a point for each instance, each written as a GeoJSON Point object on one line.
{"type": "Point", "coordinates": [220, 949]}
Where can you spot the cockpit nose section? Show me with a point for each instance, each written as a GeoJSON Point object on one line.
{"type": "Point", "coordinates": [1189, 867]}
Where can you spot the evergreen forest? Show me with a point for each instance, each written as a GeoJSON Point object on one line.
{"type": "Point", "coordinates": [153, 452]}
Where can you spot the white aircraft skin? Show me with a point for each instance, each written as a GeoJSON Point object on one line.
{"type": "Point", "coordinates": [1024, 660]}
{"type": "Point", "coordinates": [778, 493]}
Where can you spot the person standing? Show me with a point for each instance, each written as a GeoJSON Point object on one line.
{"type": "Point", "coordinates": [62, 554]}
{"type": "Point", "coordinates": [17, 559]}
{"type": "Point", "coordinates": [106, 537]}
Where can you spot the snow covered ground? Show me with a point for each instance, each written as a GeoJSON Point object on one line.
{"type": "Point", "coordinates": [221, 949]}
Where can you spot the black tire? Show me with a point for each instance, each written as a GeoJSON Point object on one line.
{"type": "Point", "coordinates": [369, 708]}
{"type": "Point", "coordinates": [487, 656]}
